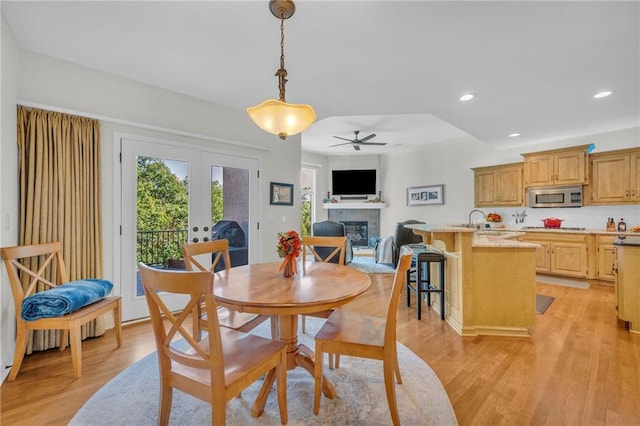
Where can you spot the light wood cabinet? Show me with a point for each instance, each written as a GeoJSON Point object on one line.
{"type": "Point", "coordinates": [615, 177]}
{"type": "Point", "coordinates": [499, 185]}
{"type": "Point", "coordinates": [567, 166]}
{"type": "Point", "coordinates": [542, 256]}
{"type": "Point", "coordinates": [560, 254]}
{"type": "Point", "coordinates": [627, 285]}
{"type": "Point", "coordinates": [606, 257]}
{"type": "Point", "coordinates": [568, 259]}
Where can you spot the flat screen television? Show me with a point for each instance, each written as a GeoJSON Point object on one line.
{"type": "Point", "coordinates": [353, 182]}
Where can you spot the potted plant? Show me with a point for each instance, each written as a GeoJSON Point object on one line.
{"type": "Point", "coordinates": [172, 252]}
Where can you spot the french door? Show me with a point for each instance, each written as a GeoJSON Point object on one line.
{"type": "Point", "coordinates": [173, 194]}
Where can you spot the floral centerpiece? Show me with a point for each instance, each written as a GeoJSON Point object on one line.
{"type": "Point", "coordinates": [288, 248]}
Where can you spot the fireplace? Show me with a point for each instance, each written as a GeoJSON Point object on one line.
{"type": "Point", "coordinates": [367, 218]}
{"type": "Point", "coordinates": [357, 232]}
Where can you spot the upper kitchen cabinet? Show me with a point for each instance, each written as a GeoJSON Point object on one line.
{"type": "Point", "coordinates": [615, 177]}
{"type": "Point", "coordinates": [499, 185]}
{"type": "Point", "coordinates": [566, 166]}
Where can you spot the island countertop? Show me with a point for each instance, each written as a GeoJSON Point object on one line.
{"type": "Point", "coordinates": [502, 238]}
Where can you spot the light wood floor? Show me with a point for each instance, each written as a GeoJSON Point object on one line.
{"type": "Point", "coordinates": [581, 367]}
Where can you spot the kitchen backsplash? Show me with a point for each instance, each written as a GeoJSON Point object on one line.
{"type": "Point", "coordinates": [590, 217]}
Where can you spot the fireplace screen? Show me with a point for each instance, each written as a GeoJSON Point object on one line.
{"type": "Point", "coordinates": [357, 233]}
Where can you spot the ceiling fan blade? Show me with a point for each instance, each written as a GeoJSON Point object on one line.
{"type": "Point", "coordinates": [356, 147]}
{"type": "Point", "coordinates": [366, 138]}
{"type": "Point", "coordinates": [344, 139]}
{"type": "Point", "coordinates": [374, 143]}
{"type": "Point", "coordinates": [339, 144]}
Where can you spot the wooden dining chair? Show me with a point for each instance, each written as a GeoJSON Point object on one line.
{"type": "Point", "coordinates": [218, 251]}
{"type": "Point", "coordinates": [354, 334]}
{"type": "Point", "coordinates": [310, 244]}
{"type": "Point", "coordinates": [217, 367]}
{"type": "Point", "coordinates": [339, 246]}
{"type": "Point", "coordinates": [43, 264]}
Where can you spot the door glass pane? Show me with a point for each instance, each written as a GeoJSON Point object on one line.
{"type": "Point", "coordinates": [230, 211]}
{"type": "Point", "coordinates": [307, 183]}
{"type": "Point", "coordinates": [162, 213]}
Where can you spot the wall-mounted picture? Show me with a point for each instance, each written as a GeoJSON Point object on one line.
{"type": "Point", "coordinates": [281, 194]}
{"type": "Point", "coordinates": [425, 195]}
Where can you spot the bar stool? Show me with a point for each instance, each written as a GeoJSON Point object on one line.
{"type": "Point", "coordinates": [423, 258]}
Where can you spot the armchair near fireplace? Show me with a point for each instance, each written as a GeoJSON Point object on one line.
{"type": "Point", "coordinates": [329, 228]}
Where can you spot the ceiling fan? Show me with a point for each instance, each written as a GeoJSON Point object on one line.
{"type": "Point", "coordinates": [356, 143]}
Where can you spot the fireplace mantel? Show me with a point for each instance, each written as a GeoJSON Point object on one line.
{"type": "Point", "coordinates": [354, 205]}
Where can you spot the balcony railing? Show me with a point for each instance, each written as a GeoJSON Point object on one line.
{"type": "Point", "coordinates": [155, 248]}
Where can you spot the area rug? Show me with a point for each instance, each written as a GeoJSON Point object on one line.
{"type": "Point", "coordinates": [542, 303]}
{"type": "Point", "coordinates": [368, 264]}
{"type": "Point", "coordinates": [132, 396]}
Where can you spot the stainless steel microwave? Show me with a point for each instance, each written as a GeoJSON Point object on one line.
{"type": "Point", "coordinates": [555, 196]}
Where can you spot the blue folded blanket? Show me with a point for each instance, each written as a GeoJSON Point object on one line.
{"type": "Point", "coordinates": [64, 299]}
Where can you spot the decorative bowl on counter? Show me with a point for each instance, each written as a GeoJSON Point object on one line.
{"type": "Point", "coordinates": [552, 222]}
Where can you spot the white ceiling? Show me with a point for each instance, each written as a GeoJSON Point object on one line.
{"type": "Point", "coordinates": [392, 68]}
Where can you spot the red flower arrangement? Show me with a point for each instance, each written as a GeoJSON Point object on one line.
{"type": "Point", "coordinates": [289, 248]}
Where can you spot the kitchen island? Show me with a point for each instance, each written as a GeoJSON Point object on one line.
{"type": "Point", "coordinates": [627, 284]}
{"type": "Point", "coordinates": [490, 279]}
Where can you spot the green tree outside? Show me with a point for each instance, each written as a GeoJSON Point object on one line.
{"type": "Point", "coordinates": [305, 211]}
{"type": "Point", "coordinates": [163, 207]}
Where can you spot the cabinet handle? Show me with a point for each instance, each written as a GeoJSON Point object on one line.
{"type": "Point", "coordinates": [627, 194]}
{"type": "Point", "coordinates": [614, 270]}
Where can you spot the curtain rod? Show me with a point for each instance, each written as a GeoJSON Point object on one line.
{"type": "Point", "coordinates": [113, 120]}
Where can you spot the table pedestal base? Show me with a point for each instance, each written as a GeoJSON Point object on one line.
{"type": "Point", "coordinates": [297, 356]}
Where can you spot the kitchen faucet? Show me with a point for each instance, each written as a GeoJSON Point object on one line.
{"type": "Point", "coordinates": [484, 216]}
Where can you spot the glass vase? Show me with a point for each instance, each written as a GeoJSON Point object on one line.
{"type": "Point", "coordinates": [288, 269]}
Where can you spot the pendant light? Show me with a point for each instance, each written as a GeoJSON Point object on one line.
{"type": "Point", "coordinates": [277, 116]}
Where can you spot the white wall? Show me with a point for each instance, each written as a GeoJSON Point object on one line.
{"type": "Point", "coordinates": [137, 109]}
{"type": "Point", "coordinates": [48, 81]}
{"type": "Point", "coordinates": [451, 163]}
{"type": "Point", "coordinates": [320, 164]}
{"type": "Point", "coordinates": [8, 188]}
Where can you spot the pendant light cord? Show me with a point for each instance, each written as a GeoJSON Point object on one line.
{"type": "Point", "coordinates": [282, 72]}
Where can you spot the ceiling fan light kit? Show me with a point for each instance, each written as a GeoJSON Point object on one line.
{"type": "Point", "coordinates": [357, 143]}
{"type": "Point", "coordinates": [277, 116]}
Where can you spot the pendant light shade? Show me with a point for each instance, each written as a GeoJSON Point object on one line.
{"type": "Point", "coordinates": [277, 116]}
{"type": "Point", "coordinates": [280, 118]}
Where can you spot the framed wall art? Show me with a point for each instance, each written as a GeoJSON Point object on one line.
{"type": "Point", "coordinates": [425, 195]}
{"type": "Point", "coordinates": [281, 194]}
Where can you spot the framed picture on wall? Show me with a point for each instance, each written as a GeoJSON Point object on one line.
{"type": "Point", "coordinates": [281, 194]}
{"type": "Point", "coordinates": [425, 195]}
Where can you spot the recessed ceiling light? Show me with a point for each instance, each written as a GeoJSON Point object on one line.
{"type": "Point", "coordinates": [514, 135]}
{"type": "Point", "coordinates": [602, 94]}
{"type": "Point", "coordinates": [466, 97]}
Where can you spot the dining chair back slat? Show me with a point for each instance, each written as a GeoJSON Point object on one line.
{"type": "Point", "coordinates": [339, 245]}
{"type": "Point", "coordinates": [216, 249]}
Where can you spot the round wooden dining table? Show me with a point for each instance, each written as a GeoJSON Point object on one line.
{"type": "Point", "coordinates": [261, 288]}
